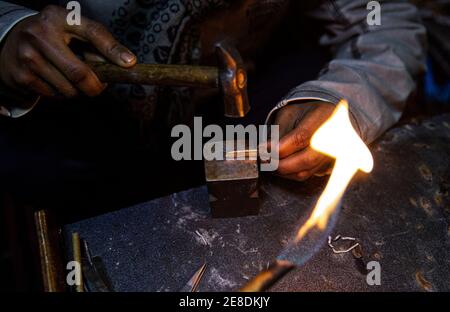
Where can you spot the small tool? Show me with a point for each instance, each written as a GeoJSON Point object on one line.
{"type": "Point", "coordinates": [94, 272]}
{"type": "Point", "coordinates": [230, 77]}
{"type": "Point", "coordinates": [194, 282]}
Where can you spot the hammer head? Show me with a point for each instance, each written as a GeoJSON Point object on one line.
{"type": "Point", "coordinates": [232, 81]}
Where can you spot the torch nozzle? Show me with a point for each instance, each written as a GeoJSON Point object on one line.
{"type": "Point", "coordinates": [265, 279]}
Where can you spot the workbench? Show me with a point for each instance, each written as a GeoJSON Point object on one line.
{"type": "Point", "coordinates": [399, 213]}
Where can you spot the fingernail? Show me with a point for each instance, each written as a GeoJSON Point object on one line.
{"type": "Point", "coordinates": [127, 57]}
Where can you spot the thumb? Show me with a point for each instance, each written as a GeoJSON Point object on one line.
{"type": "Point", "coordinates": [97, 35]}
{"type": "Point", "coordinates": [307, 122]}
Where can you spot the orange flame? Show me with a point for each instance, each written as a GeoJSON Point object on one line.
{"type": "Point", "coordinates": [337, 138]}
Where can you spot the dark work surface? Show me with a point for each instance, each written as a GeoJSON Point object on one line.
{"type": "Point", "coordinates": [400, 214]}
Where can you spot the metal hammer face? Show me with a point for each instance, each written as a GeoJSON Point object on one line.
{"type": "Point", "coordinates": [232, 81]}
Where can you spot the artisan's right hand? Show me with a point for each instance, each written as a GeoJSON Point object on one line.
{"type": "Point", "coordinates": [35, 55]}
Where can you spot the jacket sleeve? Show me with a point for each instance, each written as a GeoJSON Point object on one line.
{"type": "Point", "coordinates": [11, 104]}
{"type": "Point", "coordinates": [374, 67]}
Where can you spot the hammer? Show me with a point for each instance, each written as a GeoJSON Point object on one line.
{"type": "Point", "coordinates": [229, 77]}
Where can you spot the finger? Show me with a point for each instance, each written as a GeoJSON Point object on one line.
{"type": "Point", "coordinates": [28, 81]}
{"type": "Point", "coordinates": [306, 174]}
{"type": "Point", "coordinates": [325, 169]}
{"type": "Point", "coordinates": [300, 137]}
{"type": "Point", "coordinates": [292, 176]}
{"type": "Point", "coordinates": [296, 140]}
{"type": "Point", "coordinates": [41, 87]}
{"type": "Point", "coordinates": [104, 42]}
{"type": "Point", "coordinates": [77, 72]}
{"type": "Point", "coordinates": [47, 72]}
{"type": "Point", "coordinates": [300, 161]}
{"type": "Point", "coordinates": [286, 118]}
{"type": "Point", "coordinates": [303, 175]}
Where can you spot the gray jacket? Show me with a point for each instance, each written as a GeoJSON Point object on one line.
{"type": "Point", "coordinates": [375, 68]}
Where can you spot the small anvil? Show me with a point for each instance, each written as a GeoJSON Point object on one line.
{"type": "Point", "coordinates": [233, 181]}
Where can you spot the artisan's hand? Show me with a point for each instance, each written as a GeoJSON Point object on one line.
{"type": "Point", "coordinates": [298, 122]}
{"type": "Point", "coordinates": [35, 56]}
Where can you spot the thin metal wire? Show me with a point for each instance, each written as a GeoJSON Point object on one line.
{"type": "Point", "coordinates": [339, 237]}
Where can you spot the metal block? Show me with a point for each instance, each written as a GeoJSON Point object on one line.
{"type": "Point", "coordinates": [233, 182]}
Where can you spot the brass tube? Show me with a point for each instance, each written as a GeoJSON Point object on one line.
{"type": "Point", "coordinates": [267, 278]}
{"type": "Point", "coordinates": [49, 261]}
{"type": "Point", "coordinates": [158, 74]}
{"type": "Point", "coordinates": [76, 248]}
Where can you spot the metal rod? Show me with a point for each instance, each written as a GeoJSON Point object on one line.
{"type": "Point", "coordinates": [198, 277]}
{"type": "Point", "coordinates": [76, 248]}
{"type": "Point", "coordinates": [158, 74]}
{"type": "Point", "coordinates": [267, 278]}
{"type": "Point", "coordinates": [49, 262]}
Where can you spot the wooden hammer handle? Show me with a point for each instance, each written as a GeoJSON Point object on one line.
{"type": "Point", "coordinates": [158, 74]}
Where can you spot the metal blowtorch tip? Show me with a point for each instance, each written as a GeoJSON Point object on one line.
{"type": "Point", "coordinates": [265, 279]}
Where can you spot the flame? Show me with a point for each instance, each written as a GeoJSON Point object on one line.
{"type": "Point", "coordinates": [337, 138]}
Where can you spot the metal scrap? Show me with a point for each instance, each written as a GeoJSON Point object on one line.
{"type": "Point", "coordinates": [339, 237]}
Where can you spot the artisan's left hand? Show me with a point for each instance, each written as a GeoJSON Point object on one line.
{"type": "Point", "coordinates": [298, 122]}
